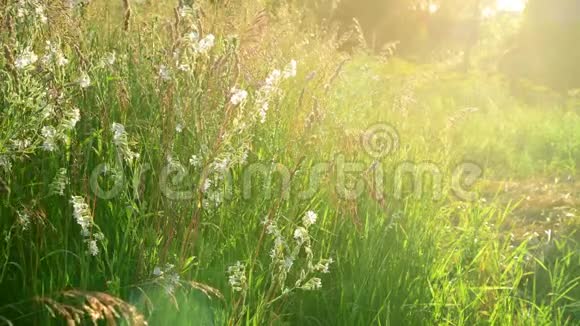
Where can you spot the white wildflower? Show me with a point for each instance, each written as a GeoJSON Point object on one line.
{"type": "Point", "coordinates": [313, 284]}
{"type": "Point", "coordinates": [23, 220]}
{"type": "Point", "coordinates": [82, 214]}
{"type": "Point", "coordinates": [60, 59]}
{"type": "Point", "coordinates": [21, 144]}
{"type": "Point", "coordinates": [263, 112]}
{"type": "Point", "coordinates": [221, 166]}
{"type": "Point", "coordinates": [184, 67]}
{"type": "Point", "coordinates": [25, 59]}
{"type": "Point", "coordinates": [290, 70]}
{"type": "Point", "coordinates": [164, 73]}
{"type": "Point", "coordinates": [119, 134]}
{"type": "Point", "coordinates": [309, 218]}
{"type": "Point", "coordinates": [206, 185]}
{"type": "Point", "coordinates": [84, 80]}
{"type": "Point", "coordinates": [237, 276]}
{"type": "Point", "coordinates": [39, 10]}
{"type": "Point", "coordinates": [214, 198]}
{"type": "Point", "coordinates": [83, 217]}
{"type": "Point", "coordinates": [53, 53]}
{"type": "Point", "coordinates": [324, 265]}
{"type": "Point", "coordinates": [120, 139]}
{"type": "Point", "coordinates": [179, 127]}
{"type": "Point", "coordinates": [195, 161]}
{"type": "Point", "coordinates": [300, 234]}
{"type": "Point", "coordinates": [93, 247]}
{"type": "Point", "coordinates": [205, 44]}
{"type": "Point", "coordinates": [271, 227]}
{"type": "Point", "coordinates": [273, 78]}
{"type": "Point", "coordinates": [274, 253]}
{"type": "Point", "coordinates": [22, 12]}
{"type": "Point", "coordinates": [157, 271]}
{"type": "Point", "coordinates": [108, 59]}
{"type": "Point", "coordinates": [238, 96]}
{"type": "Point", "coordinates": [72, 117]}
{"type": "Point", "coordinates": [50, 137]}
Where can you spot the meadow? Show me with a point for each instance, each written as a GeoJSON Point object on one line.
{"type": "Point", "coordinates": [218, 164]}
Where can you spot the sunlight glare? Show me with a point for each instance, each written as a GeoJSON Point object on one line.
{"type": "Point", "coordinates": [488, 12]}
{"type": "Point", "coordinates": [511, 5]}
{"type": "Point", "coordinates": [433, 8]}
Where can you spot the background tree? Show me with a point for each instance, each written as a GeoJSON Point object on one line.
{"type": "Point", "coordinates": [420, 26]}
{"type": "Point", "coordinates": [547, 49]}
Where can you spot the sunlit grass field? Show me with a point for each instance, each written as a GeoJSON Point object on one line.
{"type": "Point", "coordinates": [218, 165]}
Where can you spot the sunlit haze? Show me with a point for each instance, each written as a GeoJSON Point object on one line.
{"type": "Point", "coordinates": [511, 5]}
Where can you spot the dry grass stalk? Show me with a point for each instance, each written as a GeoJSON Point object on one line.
{"type": "Point", "coordinates": [209, 291]}
{"type": "Point", "coordinates": [77, 306]}
{"type": "Point", "coordinates": [127, 18]}
{"type": "Point", "coordinates": [459, 116]}
{"type": "Point", "coordinates": [253, 34]}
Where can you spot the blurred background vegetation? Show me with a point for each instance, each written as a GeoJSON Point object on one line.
{"type": "Point", "coordinates": [543, 48]}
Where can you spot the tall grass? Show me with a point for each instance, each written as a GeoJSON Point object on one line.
{"type": "Point", "coordinates": [126, 145]}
